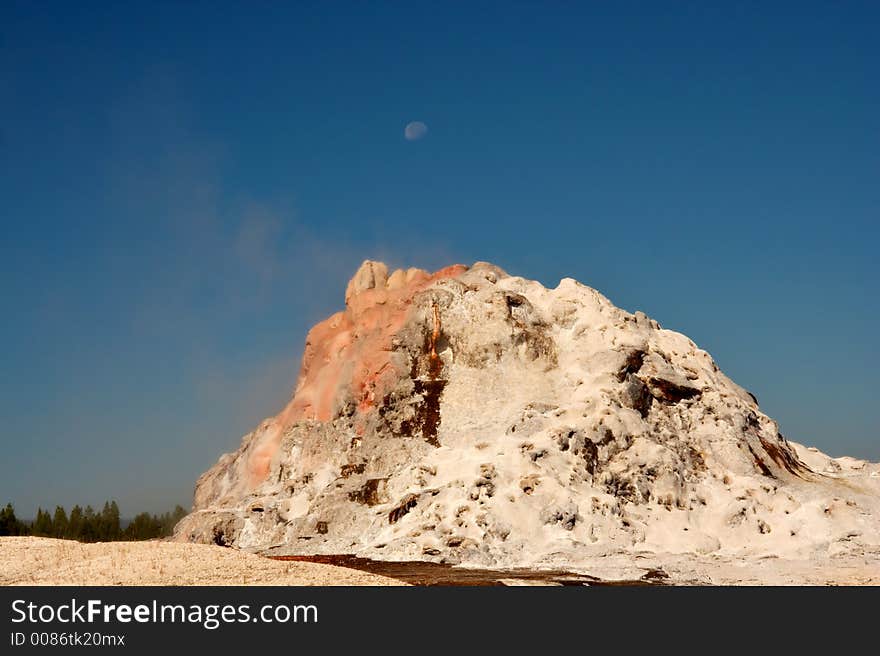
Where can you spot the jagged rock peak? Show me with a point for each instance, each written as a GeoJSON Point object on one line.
{"type": "Point", "coordinates": [370, 275]}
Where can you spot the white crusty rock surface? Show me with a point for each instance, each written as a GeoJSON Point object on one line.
{"type": "Point", "coordinates": [473, 417]}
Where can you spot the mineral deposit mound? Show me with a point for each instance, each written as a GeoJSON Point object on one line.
{"type": "Point", "coordinates": [473, 417]}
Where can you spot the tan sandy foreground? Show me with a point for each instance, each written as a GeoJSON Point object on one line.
{"type": "Point", "coordinates": [46, 561]}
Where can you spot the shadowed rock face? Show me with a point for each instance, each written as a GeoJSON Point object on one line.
{"type": "Point", "coordinates": [472, 416]}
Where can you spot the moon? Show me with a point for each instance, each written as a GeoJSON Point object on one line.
{"type": "Point", "coordinates": [415, 131]}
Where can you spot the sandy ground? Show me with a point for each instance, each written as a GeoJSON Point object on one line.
{"type": "Point", "coordinates": [45, 561]}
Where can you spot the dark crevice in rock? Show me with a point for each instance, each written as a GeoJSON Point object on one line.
{"type": "Point", "coordinates": [622, 488]}
{"type": "Point", "coordinates": [591, 456]}
{"type": "Point", "coordinates": [669, 392]}
{"type": "Point", "coordinates": [369, 493]}
{"type": "Point", "coordinates": [753, 422]}
{"type": "Point", "coordinates": [698, 463]}
{"type": "Point", "coordinates": [654, 576]}
{"type": "Point", "coordinates": [426, 413]}
{"type": "Point", "coordinates": [607, 437]}
{"type": "Point", "coordinates": [349, 469]}
{"type": "Point", "coordinates": [637, 395]}
{"type": "Point", "coordinates": [760, 464]}
{"type": "Point", "coordinates": [406, 504]}
{"type": "Point", "coordinates": [784, 458]}
{"type": "Point", "coordinates": [633, 363]}
{"type": "Point", "coordinates": [513, 301]}
{"type": "Point", "coordinates": [221, 539]}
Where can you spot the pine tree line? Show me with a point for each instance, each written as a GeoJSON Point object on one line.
{"type": "Point", "coordinates": [86, 525]}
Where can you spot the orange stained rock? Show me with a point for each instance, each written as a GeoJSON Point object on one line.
{"type": "Point", "coordinates": [348, 355]}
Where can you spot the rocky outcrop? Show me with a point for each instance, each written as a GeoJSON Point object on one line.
{"type": "Point", "coordinates": [475, 417]}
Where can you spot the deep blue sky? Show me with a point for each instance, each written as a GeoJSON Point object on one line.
{"type": "Point", "coordinates": [186, 188]}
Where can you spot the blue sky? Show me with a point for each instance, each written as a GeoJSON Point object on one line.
{"type": "Point", "coordinates": [186, 188]}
